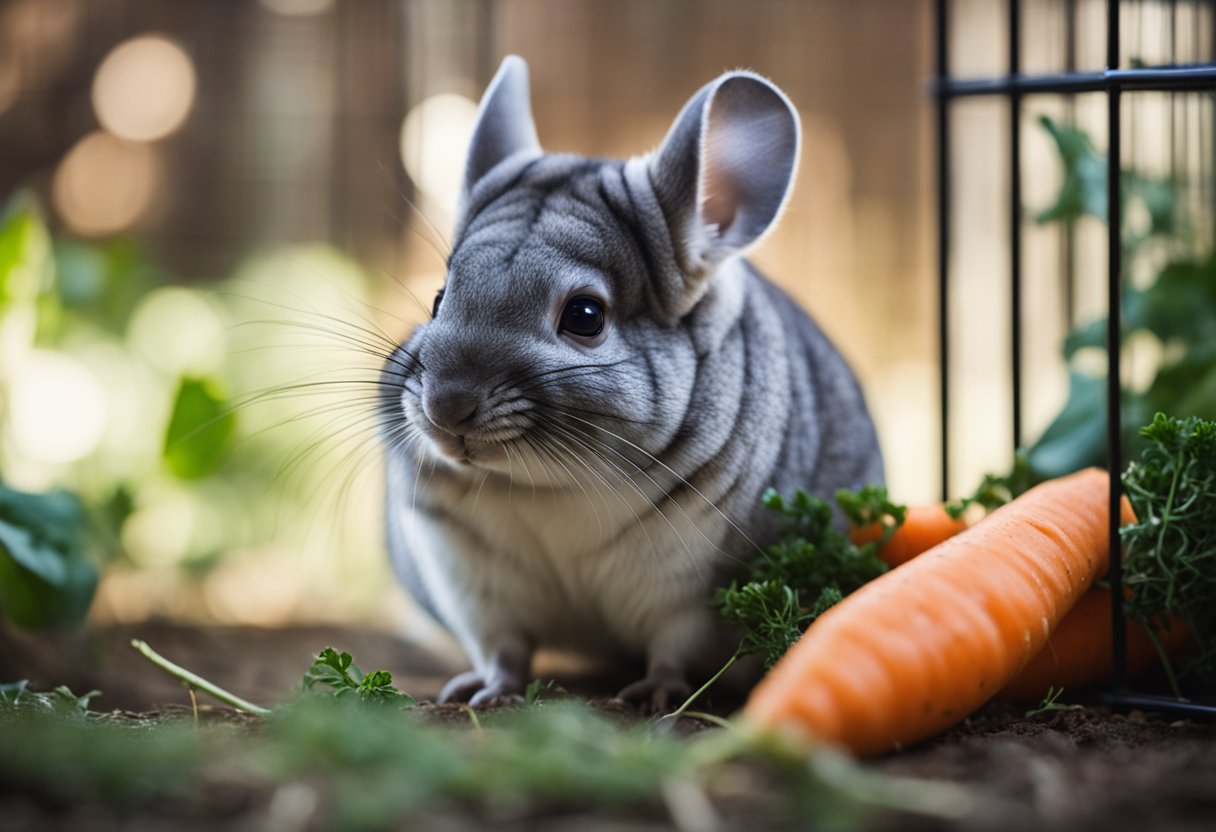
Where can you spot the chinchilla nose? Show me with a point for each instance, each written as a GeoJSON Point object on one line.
{"type": "Point", "coordinates": [450, 406]}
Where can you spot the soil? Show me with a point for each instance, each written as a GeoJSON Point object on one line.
{"type": "Point", "coordinates": [1077, 768]}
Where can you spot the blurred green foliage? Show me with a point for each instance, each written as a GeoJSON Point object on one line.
{"type": "Point", "coordinates": [46, 576]}
{"type": "Point", "coordinates": [1178, 309]}
{"type": "Point", "coordinates": [25, 254]}
{"type": "Point", "coordinates": [384, 768]}
{"type": "Point", "coordinates": [155, 481]}
{"type": "Point", "coordinates": [201, 427]}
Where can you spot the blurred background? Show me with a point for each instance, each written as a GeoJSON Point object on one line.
{"type": "Point", "coordinates": [217, 211]}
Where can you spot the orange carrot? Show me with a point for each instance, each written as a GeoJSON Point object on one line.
{"type": "Point", "coordinates": [923, 528]}
{"type": "Point", "coordinates": [1080, 652]}
{"type": "Point", "coordinates": [921, 647]}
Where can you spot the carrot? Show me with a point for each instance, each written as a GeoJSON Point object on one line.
{"type": "Point", "coordinates": [1080, 652]}
{"type": "Point", "coordinates": [919, 648]}
{"type": "Point", "coordinates": [923, 528]}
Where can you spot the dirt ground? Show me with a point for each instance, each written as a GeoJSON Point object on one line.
{"type": "Point", "coordinates": [1089, 768]}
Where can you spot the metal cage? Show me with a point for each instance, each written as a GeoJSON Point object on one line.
{"type": "Point", "coordinates": [1013, 87]}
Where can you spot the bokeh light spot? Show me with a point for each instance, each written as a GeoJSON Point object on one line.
{"type": "Point", "coordinates": [159, 533]}
{"type": "Point", "coordinates": [104, 184]}
{"type": "Point", "coordinates": [57, 408]}
{"type": "Point", "coordinates": [298, 8]}
{"type": "Point", "coordinates": [434, 144]}
{"type": "Point", "coordinates": [144, 88]}
{"type": "Point", "coordinates": [178, 330]}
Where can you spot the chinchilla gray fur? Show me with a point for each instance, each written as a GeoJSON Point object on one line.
{"type": "Point", "coordinates": [551, 485]}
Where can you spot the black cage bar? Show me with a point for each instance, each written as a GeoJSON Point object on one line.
{"type": "Point", "coordinates": [1113, 81]}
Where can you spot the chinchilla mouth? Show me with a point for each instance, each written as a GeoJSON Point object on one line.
{"type": "Point", "coordinates": [471, 447]}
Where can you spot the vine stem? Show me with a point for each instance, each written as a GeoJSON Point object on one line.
{"type": "Point", "coordinates": [196, 681]}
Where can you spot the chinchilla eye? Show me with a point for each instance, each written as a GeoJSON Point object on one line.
{"type": "Point", "coordinates": [583, 316]}
{"type": "Point", "coordinates": [435, 306]}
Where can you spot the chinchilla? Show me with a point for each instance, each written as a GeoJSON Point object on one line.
{"type": "Point", "coordinates": [578, 440]}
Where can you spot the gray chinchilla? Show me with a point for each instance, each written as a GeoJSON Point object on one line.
{"type": "Point", "coordinates": [578, 440]}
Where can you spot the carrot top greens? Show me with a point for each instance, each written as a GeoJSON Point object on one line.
{"type": "Point", "coordinates": [810, 567]}
{"type": "Point", "coordinates": [1170, 562]}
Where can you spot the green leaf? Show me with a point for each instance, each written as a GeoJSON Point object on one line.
{"type": "Point", "coordinates": [1160, 201]}
{"type": "Point", "coordinates": [46, 577]}
{"type": "Point", "coordinates": [1181, 307]}
{"type": "Point", "coordinates": [1076, 438]}
{"type": "Point", "coordinates": [200, 429]}
{"type": "Point", "coordinates": [1083, 188]}
{"type": "Point", "coordinates": [26, 265]}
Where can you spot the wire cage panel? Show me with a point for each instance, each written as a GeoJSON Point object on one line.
{"type": "Point", "coordinates": [1150, 102]}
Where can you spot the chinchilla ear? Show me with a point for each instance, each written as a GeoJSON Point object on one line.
{"type": "Point", "coordinates": [504, 125]}
{"type": "Point", "coordinates": [723, 173]}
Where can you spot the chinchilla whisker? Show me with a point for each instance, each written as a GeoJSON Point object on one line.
{"type": "Point", "coordinates": [544, 460]}
{"type": "Point", "coordinates": [597, 481]}
{"type": "Point", "coordinates": [430, 244]}
{"type": "Point", "coordinates": [480, 486]}
{"type": "Point", "coordinates": [422, 215]}
{"type": "Point", "coordinates": [306, 310]}
{"type": "Point", "coordinates": [545, 457]}
{"type": "Point", "coordinates": [371, 326]}
{"type": "Point", "coordinates": [328, 438]}
{"type": "Point", "coordinates": [520, 381]}
{"type": "Point", "coordinates": [546, 445]}
{"type": "Point", "coordinates": [367, 343]}
{"type": "Point", "coordinates": [353, 336]}
{"type": "Point", "coordinates": [309, 386]}
{"type": "Point", "coordinates": [612, 417]}
{"type": "Point", "coordinates": [628, 480]}
{"type": "Point", "coordinates": [666, 492]}
{"type": "Point", "coordinates": [403, 286]}
{"type": "Point", "coordinates": [323, 323]}
{"type": "Point", "coordinates": [363, 409]}
{"type": "Point", "coordinates": [668, 497]}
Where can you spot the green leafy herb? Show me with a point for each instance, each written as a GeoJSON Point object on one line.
{"type": "Point", "coordinates": [16, 697]}
{"type": "Point", "coordinates": [1170, 565]}
{"type": "Point", "coordinates": [811, 567]}
{"type": "Point", "coordinates": [994, 491]}
{"type": "Point", "coordinates": [872, 504]}
{"type": "Point", "coordinates": [537, 690]}
{"type": "Point", "coordinates": [338, 672]}
{"type": "Point", "coordinates": [46, 577]}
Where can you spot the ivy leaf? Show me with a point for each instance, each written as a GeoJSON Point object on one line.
{"type": "Point", "coordinates": [1083, 189]}
{"type": "Point", "coordinates": [1076, 438]}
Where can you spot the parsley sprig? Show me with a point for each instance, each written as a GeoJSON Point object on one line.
{"type": "Point", "coordinates": [1170, 561]}
{"type": "Point", "coordinates": [338, 672]}
{"type": "Point", "coordinates": [812, 566]}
